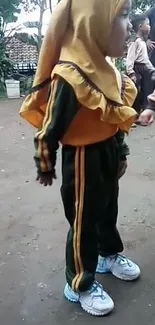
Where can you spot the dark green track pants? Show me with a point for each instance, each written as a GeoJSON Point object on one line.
{"type": "Point", "coordinates": [90, 197]}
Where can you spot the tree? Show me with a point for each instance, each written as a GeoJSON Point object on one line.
{"type": "Point", "coordinates": [142, 5]}
{"type": "Point", "coordinates": [29, 6]}
{"type": "Point", "coordinates": [8, 11]}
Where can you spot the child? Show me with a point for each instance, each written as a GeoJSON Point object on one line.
{"type": "Point", "coordinates": [82, 102]}
{"type": "Point", "coordinates": [138, 66]}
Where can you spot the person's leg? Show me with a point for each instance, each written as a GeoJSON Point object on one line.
{"type": "Point", "coordinates": [81, 191]}
{"type": "Point", "coordinates": [138, 100]}
{"type": "Point", "coordinates": [110, 243]}
{"type": "Point", "coordinates": [148, 83]}
{"type": "Point", "coordinates": [147, 88]}
{"type": "Point", "coordinates": [79, 204]}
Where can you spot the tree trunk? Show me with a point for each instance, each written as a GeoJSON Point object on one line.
{"type": "Point", "coordinates": [42, 9]}
{"type": "Point", "coordinates": [50, 5]}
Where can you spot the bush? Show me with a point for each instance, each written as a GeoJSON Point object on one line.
{"type": "Point", "coordinates": [25, 85]}
{"type": "Point", "coordinates": [5, 69]}
{"type": "Point", "coordinates": [120, 64]}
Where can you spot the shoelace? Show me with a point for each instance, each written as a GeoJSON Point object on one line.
{"type": "Point", "coordinates": [121, 258]}
{"type": "Point", "coordinates": [117, 258]}
{"type": "Point", "coordinates": [95, 288]}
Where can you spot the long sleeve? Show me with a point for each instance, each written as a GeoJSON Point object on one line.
{"type": "Point", "coordinates": [137, 53]}
{"type": "Point", "coordinates": [123, 147]}
{"type": "Point", "coordinates": [131, 58]}
{"type": "Point", "coordinates": [62, 107]}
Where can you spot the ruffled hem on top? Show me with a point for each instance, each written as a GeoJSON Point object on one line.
{"type": "Point", "coordinates": [91, 98]}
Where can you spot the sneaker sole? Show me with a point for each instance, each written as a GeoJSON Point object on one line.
{"type": "Point", "coordinates": [96, 313]}
{"type": "Point", "coordinates": [69, 296]}
{"type": "Point", "coordinates": [127, 278]}
{"type": "Point", "coordinates": [101, 271]}
{"type": "Point", "coordinates": [122, 277]}
{"type": "Point", "coordinates": [73, 299]}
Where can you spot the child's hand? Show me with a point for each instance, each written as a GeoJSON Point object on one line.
{"type": "Point", "coordinates": [47, 179]}
{"type": "Point", "coordinates": [150, 45]}
{"type": "Point", "coordinates": [134, 79]}
{"type": "Point", "coordinates": [153, 76]}
{"type": "Point", "coordinates": [122, 168]}
{"type": "Point", "coordinates": [146, 117]}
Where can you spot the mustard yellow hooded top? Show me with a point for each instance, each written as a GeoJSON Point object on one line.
{"type": "Point", "coordinates": [78, 33]}
{"type": "Point", "coordinates": [72, 51]}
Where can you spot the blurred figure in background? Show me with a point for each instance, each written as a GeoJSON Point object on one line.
{"type": "Point", "coordinates": [139, 67]}
{"type": "Point", "coordinates": [148, 116]}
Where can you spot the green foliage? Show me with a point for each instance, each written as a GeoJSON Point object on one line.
{"type": "Point", "coordinates": [5, 68]}
{"type": "Point", "coordinates": [120, 64]}
{"type": "Point", "coordinates": [142, 4]}
{"type": "Point", "coordinates": [26, 85]}
{"type": "Point", "coordinates": [30, 39]}
{"type": "Point", "coordinates": [27, 38]}
{"type": "Point", "coordinates": [30, 5]}
{"type": "Point", "coordinates": [8, 11]}
{"type": "Point", "coordinates": [36, 38]}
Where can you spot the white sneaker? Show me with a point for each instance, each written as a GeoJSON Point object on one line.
{"type": "Point", "coordinates": [120, 266]}
{"type": "Point", "coordinates": [94, 301]}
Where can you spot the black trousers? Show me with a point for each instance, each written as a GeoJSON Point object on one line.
{"type": "Point", "coordinates": [143, 80]}
{"type": "Point", "coordinates": [90, 198]}
{"type": "Point", "coordinates": [149, 84]}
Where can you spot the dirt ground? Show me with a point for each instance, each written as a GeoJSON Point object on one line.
{"type": "Point", "coordinates": [33, 231]}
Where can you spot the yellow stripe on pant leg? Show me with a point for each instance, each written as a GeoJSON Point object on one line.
{"type": "Point", "coordinates": [77, 176]}
{"type": "Point", "coordinates": [80, 215]}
